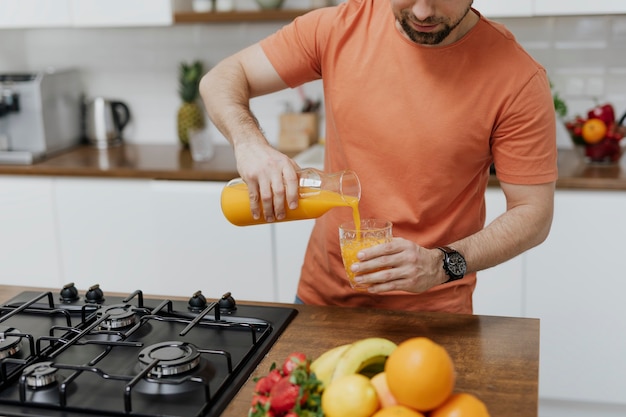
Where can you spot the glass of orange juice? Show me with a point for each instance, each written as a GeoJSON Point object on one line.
{"type": "Point", "coordinates": [370, 232]}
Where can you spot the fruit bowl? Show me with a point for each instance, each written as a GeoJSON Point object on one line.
{"type": "Point", "coordinates": [599, 135]}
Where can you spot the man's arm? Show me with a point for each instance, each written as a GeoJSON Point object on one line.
{"type": "Point", "coordinates": [404, 265]}
{"type": "Point", "coordinates": [525, 224]}
{"type": "Point", "coordinates": [226, 91]}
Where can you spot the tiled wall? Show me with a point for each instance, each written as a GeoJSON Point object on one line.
{"type": "Point", "coordinates": [585, 58]}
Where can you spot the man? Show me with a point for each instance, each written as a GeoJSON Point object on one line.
{"type": "Point", "coordinates": [421, 97]}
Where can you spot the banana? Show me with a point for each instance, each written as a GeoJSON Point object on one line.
{"type": "Point", "coordinates": [365, 353]}
{"type": "Point", "coordinates": [324, 365]}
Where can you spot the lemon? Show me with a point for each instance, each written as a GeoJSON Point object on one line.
{"type": "Point", "coordinates": [350, 395]}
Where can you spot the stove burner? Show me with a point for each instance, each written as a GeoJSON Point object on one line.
{"type": "Point", "coordinates": [9, 345]}
{"type": "Point", "coordinates": [39, 375]}
{"type": "Point", "coordinates": [120, 315]}
{"type": "Point", "coordinates": [173, 358]}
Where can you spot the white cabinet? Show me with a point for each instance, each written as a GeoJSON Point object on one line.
{"type": "Point", "coordinates": [163, 237]}
{"type": "Point", "coordinates": [94, 13]}
{"type": "Point", "coordinates": [575, 286]}
{"type": "Point", "coordinates": [197, 248]}
{"type": "Point", "coordinates": [499, 289]}
{"type": "Point", "coordinates": [290, 243]}
{"type": "Point", "coordinates": [529, 8]}
{"type": "Point", "coordinates": [28, 238]}
{"type": "Point", "coordinates": [88, 13]}
{"type": "Point", "coordinates": [504, 8]}
{"type": "Point", "coordinates": [34, 13]}
{"type": "Point", "coordinates": [578, 7]}
{"type": "Point", "coordinates": [106, 236]}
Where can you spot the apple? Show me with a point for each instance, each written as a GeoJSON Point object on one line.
{"type": "Point", "coordinates": [604, 112]}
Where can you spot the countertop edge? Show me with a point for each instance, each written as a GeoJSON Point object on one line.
{"type": "Point", "coordinates": [172, 162]}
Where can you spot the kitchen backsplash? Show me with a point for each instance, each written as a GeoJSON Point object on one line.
{"type": "Point", "coordinates": [584, 57]}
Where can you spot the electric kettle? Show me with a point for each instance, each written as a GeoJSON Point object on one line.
{"type": "Point", "coordinates": [104, 121]}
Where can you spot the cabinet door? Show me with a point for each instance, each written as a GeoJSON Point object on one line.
{"type": "Point", "coordinates": [198, 249]}
{"type": "Point", "coordinates": [122, 12]}
{"type": "Point", "coordinates": [106, 234]}
{"type": "Point", "coordinates": [291, 240]}
{"type": "Point", "coordinates": [499, 289]}
{"type": "Point", "coordinates": [576, 286]}
{"type": "Point", "coordinates": [28, 236]}
{"type": "Point", "coordinates": [504, 8]}
{"type": "Point", "coordinates": [163, 237]}
{"type": "Point", "coordinates": [34, 13]}
{"type": "Point", "coordinates": [578, 7]}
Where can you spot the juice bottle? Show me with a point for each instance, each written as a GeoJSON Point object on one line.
{"type": "Point", "coordinates": [318, 193]}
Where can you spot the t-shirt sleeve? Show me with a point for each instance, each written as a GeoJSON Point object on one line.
{"type": "Point", "coordinates": [296, 49]}
{"type": "Point", "coordinates": [524, 142]}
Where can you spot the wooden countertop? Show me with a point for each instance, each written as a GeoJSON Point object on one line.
{"type": "Point", "coordinates": [496, 358]}
{"type": "Point", "coordinates": [174, 163]}
{"type": "Point", "coordinates": [170, 162]}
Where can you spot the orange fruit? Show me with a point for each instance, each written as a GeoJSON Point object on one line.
{"type": "Point", "coordinates": [593, 130]}
{"type": "Point", "coordinates": [350, 395]}
{"type": "Point", "coordinates": [398, 411]}
{"type": "Point", "coordinates": [385, 397]}
{"type": "Point", "coordinates": [461, 405]}
{"type": "Point", "coordinates": [420, 374]}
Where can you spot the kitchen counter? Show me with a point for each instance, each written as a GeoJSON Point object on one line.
{"type": "Point", "coordinates": [496, 358]}
{"type": "Point", "coordinates": [174, 163]}
{"type": "Point", "coordinates": [169, 162]}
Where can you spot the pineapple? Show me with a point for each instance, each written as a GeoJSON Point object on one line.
{"type": "Point", "coordinates": [190, 114]}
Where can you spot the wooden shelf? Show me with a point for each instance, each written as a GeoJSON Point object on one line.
{"type": "Point", "coordinates": [239, 16]}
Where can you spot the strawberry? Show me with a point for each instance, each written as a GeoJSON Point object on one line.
{"type": "Point", "coordinates": [284, 395]}
{"type": "Point", "coordinates": [260, 407]}
{"type": "Point", "coordinates": [294, 360]}
{"type": "Point", "coordinates": [291, 390]}
{"type": "Point", "coordinates": [265, 384]}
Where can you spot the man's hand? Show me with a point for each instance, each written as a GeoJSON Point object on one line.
{"type": "Point", "coordinates": [271, 178]}
{"type": "Point", "coordinates": [406, 266]}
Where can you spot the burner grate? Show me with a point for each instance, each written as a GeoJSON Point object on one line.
{"type": "Point", "coordinates": [163, 357]}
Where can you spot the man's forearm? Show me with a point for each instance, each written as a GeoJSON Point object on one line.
{"type": "Point", "coordinates": [523, 226]}
{"type": "Point", "coordinates": [226, 97]}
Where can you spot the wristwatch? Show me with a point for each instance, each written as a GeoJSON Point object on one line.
{"type": "Point", "coordinates": [453, 263]}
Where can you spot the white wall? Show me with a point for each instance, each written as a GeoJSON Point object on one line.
{"type": "Point", "coordinates": [584, 57]}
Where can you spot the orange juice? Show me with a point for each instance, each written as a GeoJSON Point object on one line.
{"type": "Point", "coordinates": [360, 235]}
{"type": "Point", "coordinates": [311, 204]}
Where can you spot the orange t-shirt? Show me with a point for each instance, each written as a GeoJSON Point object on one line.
{"type": "Point", "coordinates": [420, 126]}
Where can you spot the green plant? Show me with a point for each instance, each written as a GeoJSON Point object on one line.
{"type": "Point", "coordinates": [560, 107]}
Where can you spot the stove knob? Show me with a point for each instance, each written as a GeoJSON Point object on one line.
{"type": "Point", "coordinates": [94, 295]}
{"type": "Point", "coordinates": [227, 303]}
{"type": "Point", "coordinates": [69, 293]}
{"type": "Point", "coordinates": [197, 302]}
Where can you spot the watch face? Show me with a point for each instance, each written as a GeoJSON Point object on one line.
{"type": "Point", "coordinates": [456, 264]}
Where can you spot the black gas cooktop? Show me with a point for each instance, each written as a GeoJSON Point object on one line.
{"type": "Point", "coordinates": [69, 354]}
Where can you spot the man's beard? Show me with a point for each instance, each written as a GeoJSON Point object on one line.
{"type": "Point", "coordinates": [429, 38]}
